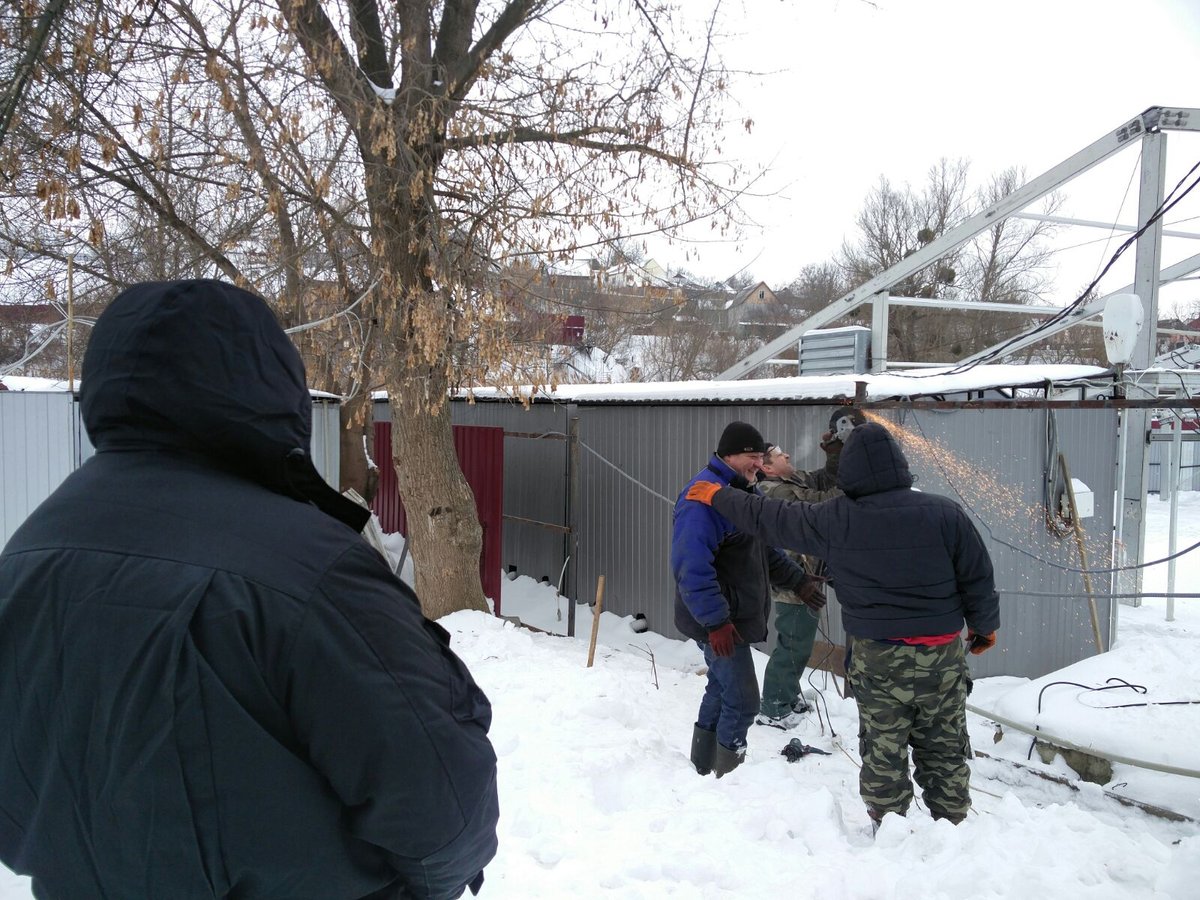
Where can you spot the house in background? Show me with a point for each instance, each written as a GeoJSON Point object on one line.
{"type": "Point", "coordinates": [726, 307]}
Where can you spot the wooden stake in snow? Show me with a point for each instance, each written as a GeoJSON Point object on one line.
{"type": "Point", "coordinates": [596, 619]}
{"type": "Point", "coordinates": [1083, 560]}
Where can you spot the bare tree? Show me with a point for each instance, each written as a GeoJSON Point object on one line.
{"type": "Point", "coordinates": [384, 158]}
{"type": "Point", "coordinates": [1007, 263]}
{"type": "Point", "coordinates": [814, 288]}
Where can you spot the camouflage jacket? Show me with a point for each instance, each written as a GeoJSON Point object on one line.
{"type": "Point", "coordinates": [810, 487]}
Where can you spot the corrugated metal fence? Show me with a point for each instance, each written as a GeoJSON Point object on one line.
{"type": "Point", "coordinates": [634, 458]}
{"type": "Point", "coordinates": [42, 441]}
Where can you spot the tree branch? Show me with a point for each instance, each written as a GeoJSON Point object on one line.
{"type": "Point", "coordinates": [460, 77]}
{"type": "Point", "coordinates": [335, 66]}
{"type": "Point", "coordinates": [368, 35]}
{"type": "Point", "coordinates": [577, 138]}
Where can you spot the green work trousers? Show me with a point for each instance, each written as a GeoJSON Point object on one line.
{"type": "Point", "coordinates": [795, 631]}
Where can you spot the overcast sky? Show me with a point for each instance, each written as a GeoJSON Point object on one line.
{"type": "Point", "coordinates": [854, 90]}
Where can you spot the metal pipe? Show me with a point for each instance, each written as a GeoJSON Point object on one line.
{"type": "Point", "coordinates": [1118, 547]}
{"type": "Point", "coordinates": [1176, 468]}
{"type": "Point", "coordinates": [1083, 560]}
{"type": "Point", "coordinates": [1091, 223]}
{"type": "Point", "coordinates": [1073, 745]}
{"type": "Point", "coordinates": [572, 520]}
{"type": "Point", "coordinates": [879, 332]}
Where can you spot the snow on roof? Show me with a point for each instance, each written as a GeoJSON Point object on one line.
{"type": "Point", "coordinates": [52, 385]}
{"type": "Point", "coordinates": [922, 383]}
{"type": "Point", "coordinates": [30, 383]}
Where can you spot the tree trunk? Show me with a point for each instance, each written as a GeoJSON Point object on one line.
{"type": "Point", "coordinates": [357, 425]}
{"type": "Point", "coordinates": [443, 525]}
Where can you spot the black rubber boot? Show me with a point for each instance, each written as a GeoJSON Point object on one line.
{"type": "Point", "coordinates": [726, 760]}
{"type": "Point", "coordinates": [704, 746]}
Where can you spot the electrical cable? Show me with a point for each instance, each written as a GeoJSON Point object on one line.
{"type": "Point", "coordinates": [1128, 185]}
{"type": "Point", "coordinates": [56, 330]}
{"type": "Point", "coordinates": [1107, 686]}
{"type": "Point", "coordinates": [310, 325]}
{"type": "Point", "coordinates": [612, 466]}
{"type": "Point", "coordinates": [1168, 204]}
{"type": "Point", "coordinates": [1105, 595]}
{"type": "Point", "coordinates": [1034, 556]}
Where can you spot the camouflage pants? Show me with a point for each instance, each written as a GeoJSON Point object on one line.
{"type": "Point", "coordinates": [912, 697]}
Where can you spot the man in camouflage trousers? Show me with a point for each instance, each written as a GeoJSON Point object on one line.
{"type": "Point", "coordinates": [910, 570]}
{"type": "Point", "coordinates": [912, 695]}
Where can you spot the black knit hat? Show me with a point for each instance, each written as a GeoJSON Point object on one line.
{"type": "Point", "coordinates": [739, 437]}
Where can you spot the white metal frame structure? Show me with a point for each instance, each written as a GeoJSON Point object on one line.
{"type": "Point", "coordinates": [1148, 126]}
{"type": "Point", "coordinates": [1147, 130]}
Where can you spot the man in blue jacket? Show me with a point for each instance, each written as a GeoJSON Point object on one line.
{"type": "Point", "coordinates": [909, 569]}
{"type": "Point", "coordinates": [210, 684]}
{"type": "Point", "coordinates": [723, 580]}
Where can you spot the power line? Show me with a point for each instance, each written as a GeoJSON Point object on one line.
{"type": "Point", "coordinates": [1169, 203]}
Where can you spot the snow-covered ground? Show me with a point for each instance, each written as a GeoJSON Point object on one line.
{"type": "Point", "coordinates": [598, 798]}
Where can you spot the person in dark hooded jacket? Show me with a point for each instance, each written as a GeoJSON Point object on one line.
{"type": "Point", "coordinates": [910, 569]}
{"type": "Point", "coordinates": [210, 684]}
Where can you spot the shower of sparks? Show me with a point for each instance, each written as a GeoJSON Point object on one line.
{"type": "Point", "coordinates": [1004, 511]}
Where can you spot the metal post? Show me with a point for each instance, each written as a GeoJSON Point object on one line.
{"type": "Point", "coordinates": [572, 580]}
{"type": "Point", "coordinates": [879, 333]}
{"type": "Point", "coordinates": [1145, 284]}
{"type": "Point", "coordinates": [71, 324]}
{"type": "Point", "coordinates": [1176, 469]}
{"type": "Point", "coordinates": [1165, 470]}
{"type": "Point", "coordinates": [1118, 549]}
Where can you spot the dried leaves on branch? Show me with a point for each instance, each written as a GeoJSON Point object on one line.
{"type": "Point", "coordinates": [390, 159]}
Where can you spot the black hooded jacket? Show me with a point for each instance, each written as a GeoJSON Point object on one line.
{"type": "Point", "coordinates": [903, 563]}
{"type": "Point", "coordinates": [210, 685]}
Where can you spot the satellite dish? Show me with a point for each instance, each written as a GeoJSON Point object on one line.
{"type": "Point", "coordinates": [1122, 322]}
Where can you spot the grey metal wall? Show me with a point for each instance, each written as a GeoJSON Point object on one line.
{"type": "Point", "coordinates": [636, 457]}
{"type": "Point", "coordinates": [42, 441]}
{"type": "Point", "coordinates": [994, 463]}
{"type": "Point", "coordinates": [625, 528]}
{"type": "Point", "coordinates": [326, 446]}
{"type": "Point", "coordinates": [39, 447]}
{"type": "Point", "coordinates": [1160, 463]}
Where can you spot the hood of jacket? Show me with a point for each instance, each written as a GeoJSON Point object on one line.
{"type": "Point", "coordinates": [203, 367]}
{"type": "Point", "coordinates": [872, 462]}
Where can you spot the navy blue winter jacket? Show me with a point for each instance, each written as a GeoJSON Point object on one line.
{"type": "Point", "coordinates": [904, 563]}
{"type": "Point", "coordinates": [209, 687]}
{"type": "Point", "coordinates": [722, 574]}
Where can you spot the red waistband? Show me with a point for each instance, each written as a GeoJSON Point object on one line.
{"type": "Point", "coordinates": [933, 640]}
